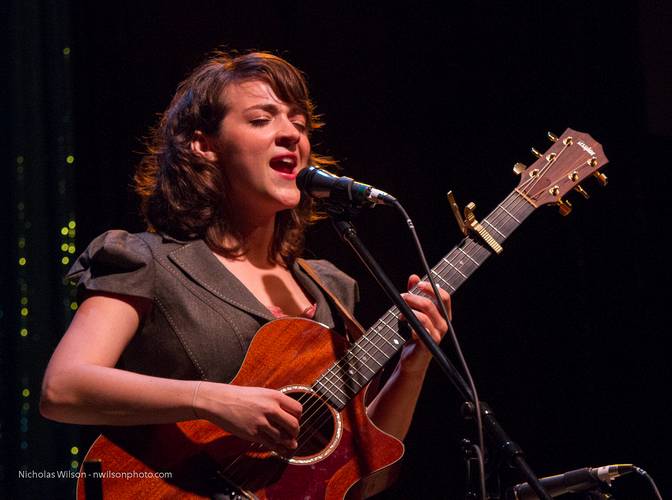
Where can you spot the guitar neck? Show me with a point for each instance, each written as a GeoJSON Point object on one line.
{"type": "Point", "coordinates": [366, 357]}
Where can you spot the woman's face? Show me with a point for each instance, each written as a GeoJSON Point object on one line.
{"type": "Point", "coordinates": [261, 145]}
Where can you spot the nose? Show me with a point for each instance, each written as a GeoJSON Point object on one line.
{"type": "Point", "coordinates": [287, 135]}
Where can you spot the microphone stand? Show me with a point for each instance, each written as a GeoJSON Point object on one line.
{"type": "Point", "coordinates": [341, 219]}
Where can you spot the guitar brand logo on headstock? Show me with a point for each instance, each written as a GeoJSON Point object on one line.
{"type": "Point", "coordinates": [586, 148]}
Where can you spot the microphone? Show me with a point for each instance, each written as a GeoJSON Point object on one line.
{"type": "Point", "coordinates": [324, 185]}
{"type": "Point", "coordinates": [572, 482]}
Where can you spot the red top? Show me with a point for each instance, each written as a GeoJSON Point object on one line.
{"type": "Point", "coordinates": [308, 312]}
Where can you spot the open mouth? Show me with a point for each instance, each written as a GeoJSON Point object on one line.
{"type": "Point", "coordinates": [284, 164]}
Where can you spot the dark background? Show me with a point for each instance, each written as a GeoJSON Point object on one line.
{"type": "Point", "coordinates": [566, 331]}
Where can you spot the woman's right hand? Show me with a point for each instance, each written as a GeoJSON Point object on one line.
{"type": "Point", "coordinates": [255, 414]}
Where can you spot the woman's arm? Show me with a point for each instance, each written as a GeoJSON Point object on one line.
{"type": "Point", "coordinates": [392, 409]}
{"type": "Point", "coordinates": [81, 385]}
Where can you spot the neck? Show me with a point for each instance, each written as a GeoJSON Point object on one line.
{"type": "Point", "coordinates": [255, 237]}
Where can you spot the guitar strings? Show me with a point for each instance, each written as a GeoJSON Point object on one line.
{"type": "Point", "coordinates": [455, 269]}
{"type": "Point", "coordinates": [526, 185]}
{"type": "Point", "coordinates": [305, 426]}
{"type": "Point", "coordinates": [314, 413]}
{"type": "Point", "coordinates": [311, 411]}
{"type": "Point", "coordinates": [469, 246]}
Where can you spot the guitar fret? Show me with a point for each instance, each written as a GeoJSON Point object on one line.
{"type": "Point", "coordinates": [453, 266]}
{"type": "Point", "coordinates": [437, 275]}
{"type": "Point", "coordinates": [485, 221]}
{"type": "Point", "coordinates": [331, 394]}
{"type": "Point", "coordinates": [384, 339]}
{"type": "Point", "coordinates": [344, 381]}
{"type": "Point", "coordinates": [469, 256]}
{"type": "Point", "coordinates": [386, 324]}
{"type": "Point", "coordinates": [509, 214]}
{"type": "Point", "coordinates": [368, 356]}
{"type": "Point", "coordinates": [371, 356]}
{"type": "Point", "coordinates": [396, 341]}
{"type": "Point", "coordinates": [353, 361]}
{"type": "Point", "coordinates": [348, 386]}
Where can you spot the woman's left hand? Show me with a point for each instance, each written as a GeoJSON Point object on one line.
{"type": "Point", "coordinates": [415, 356]}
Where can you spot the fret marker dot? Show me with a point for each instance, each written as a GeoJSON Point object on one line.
{"type": "Point", "coordinates": [396, 341]}
{"type": "Point", "coordinates": [351, 372]}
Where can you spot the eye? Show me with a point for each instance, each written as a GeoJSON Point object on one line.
{"type": "Point", "coordinates": [300, 126]}
{"type": "Point", "coordinates": [259, 122]}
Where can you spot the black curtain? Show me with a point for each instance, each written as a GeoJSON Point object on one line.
{"type": "Point", "coordinates": [564, 331]}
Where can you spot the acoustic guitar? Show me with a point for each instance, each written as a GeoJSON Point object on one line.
{"type": "Point", "coordinates": [341, 453]}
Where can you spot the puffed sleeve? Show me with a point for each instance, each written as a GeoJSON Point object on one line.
{"type": "Point", "coordinates": [115, 262]}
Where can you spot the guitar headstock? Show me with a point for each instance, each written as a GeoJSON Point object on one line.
{"type": "Point", "coordinates": [573, 157]}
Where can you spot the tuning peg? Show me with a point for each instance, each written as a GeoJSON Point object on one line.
{"type": "Point", "coordinates": [565, 207]}
{"type": "Point", "coordinates": [536, 153]}
{"type": "Point", "coordinates": [552, 137]}
{"type": "Point", "coordinates": [519, 168]}
{"type": "Point", "coordinates": [601, 178]}
{"type": "Point", "coordinates": [581, 191]}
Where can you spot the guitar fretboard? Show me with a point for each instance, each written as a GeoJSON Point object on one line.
{"type": "Point", "coordinates": [368, 355]}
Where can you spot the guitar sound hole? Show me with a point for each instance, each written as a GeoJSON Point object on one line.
{"type": "Point", "coordinates": [319, 427]}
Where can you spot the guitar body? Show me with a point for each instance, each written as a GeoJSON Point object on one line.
{"type": "Point", "coordinates": [345, 455]}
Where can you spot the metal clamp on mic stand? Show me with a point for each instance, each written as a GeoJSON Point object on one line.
{"type": "Point", "coordinates": [341, 218]}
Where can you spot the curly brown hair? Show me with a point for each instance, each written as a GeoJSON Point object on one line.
{"type": "Point", "coordinates": [184, 195]}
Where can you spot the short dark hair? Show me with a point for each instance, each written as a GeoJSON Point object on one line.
{"type": "Point", "coordinates": [184, 195]}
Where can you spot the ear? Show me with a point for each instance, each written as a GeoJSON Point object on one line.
{"type": "Point", "coordinates": [201, 145]}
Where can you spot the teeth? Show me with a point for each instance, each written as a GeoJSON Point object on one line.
{"type": "Point", "coordinates": [287, 160]}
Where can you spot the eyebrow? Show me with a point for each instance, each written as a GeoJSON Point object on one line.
{"type": "Point", "coordinates": [275, 109]}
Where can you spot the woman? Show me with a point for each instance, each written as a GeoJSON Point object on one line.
{"type": "Point", "coordinates": [166, 316]}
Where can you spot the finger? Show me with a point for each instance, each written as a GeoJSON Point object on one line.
{"type": "Point", "coordinates": [285, 423]}
{"type": "Point", "coordinates": [291, 406]}
{"type": "Point", "coordinates": [423, 305]}
{"type": "Point", "coordinates": [427, 324]}
{"type": "Point", "coordinates": [278, 437]}
{"type": "Point", "coordinates": [426, 288]}
{"type": "Point", "coordinates": [427, 291]}
{"type": "Point", "coordinates": [413, 280]}
{"type": "Point", "coordinates": [283, 447]}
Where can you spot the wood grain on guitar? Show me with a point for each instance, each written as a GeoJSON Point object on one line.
{"type": "Point", "coordinates": [341, 453]}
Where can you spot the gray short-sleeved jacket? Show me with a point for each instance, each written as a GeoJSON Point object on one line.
{"type": "Point", "coordinates": [203, 318]}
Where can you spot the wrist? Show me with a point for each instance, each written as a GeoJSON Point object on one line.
{"type": "Point", "coordinates": [414, 361]}
{"type": "Point", "coordinates": [194, 398]}
{"type": "Point", "coordinates": [201, 405]}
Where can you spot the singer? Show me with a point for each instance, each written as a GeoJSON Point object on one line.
{"type": "Point", "coordinates": [166, 316]}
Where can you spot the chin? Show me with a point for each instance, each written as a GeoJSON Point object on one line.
{"type": "Point", "coordinates": [290, 200]}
